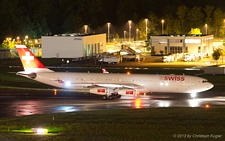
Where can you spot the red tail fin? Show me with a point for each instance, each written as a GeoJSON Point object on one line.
{"type": "Point", "coordinates": [104, 71]}
{"type": "Point", "coordinates": [29, 61]}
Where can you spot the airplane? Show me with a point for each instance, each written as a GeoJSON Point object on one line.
{"type": "Point", "coordinates": [104, 71]}
{"type": "Point", "coordinates": [109, 85]}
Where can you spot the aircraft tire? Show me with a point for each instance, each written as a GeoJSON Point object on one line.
{"type": "Point", "coordinates": [104, 97]}
{"type": "Point", "coordinates": [110, 97]}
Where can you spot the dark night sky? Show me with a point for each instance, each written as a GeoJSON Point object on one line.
{"type": "Point", "coordinates": [41, 17]}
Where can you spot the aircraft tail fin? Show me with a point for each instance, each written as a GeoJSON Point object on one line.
{"type": "Point", "coordinates": [104, 71]}
{"type": "Point", "coordinates": [30, 61]}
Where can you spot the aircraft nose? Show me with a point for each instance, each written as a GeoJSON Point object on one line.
{"type": "Point", "coordinates": [210, 85]}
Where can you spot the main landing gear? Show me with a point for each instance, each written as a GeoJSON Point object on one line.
{"type": "Point", "coordinates": [110, 97]}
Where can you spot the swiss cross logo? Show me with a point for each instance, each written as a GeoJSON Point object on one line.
{"type": "Point", "coordinates": [129, 92]}
{"type": "Point", "coordinates": [101, 90]}
{"type": "Point", "coordinates": [27, 58]}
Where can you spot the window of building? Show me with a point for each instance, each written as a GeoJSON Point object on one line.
{"type": "Point", "coordinates": [175, 40]}
{"type": "Point", "coordinates": [186, 50]}
{"type": "Point", "coordinates": [193, 41]}
{"type": "Point", "coordinates": [162, 41]}
{"type": "Point", "coordinates": [155, 40]}
{"type": "Point", "coordinates": [175, 49]}
{"type": "Point", "coordinates": [165, 49]}
{"type": "Point", "coordinates": [152, 49]}
{"type": "Point", "coordinates": [199, 49]}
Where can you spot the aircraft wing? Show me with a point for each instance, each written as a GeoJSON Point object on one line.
{"type": "Point", "coordinates": [108, 85]}
{"type": "Point", "coordinates": [131, 86]}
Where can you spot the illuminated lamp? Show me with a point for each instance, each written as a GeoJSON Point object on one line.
{"type": "Point", "coordinates": [67, 84]}
{"type": "Point", "coordinates": [137, 103]}
{"type": "Point", "coordinates": [55, 91]}
{"type": "Point", "coordinates": [39, 130]}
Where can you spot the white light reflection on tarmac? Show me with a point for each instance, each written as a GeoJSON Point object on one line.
{"type": "Point", "coordinates": [194, 102]}
{"type": "Point", "coordinates": [20, 106]}
{"type": "Point", "coordinates": [26, 107]}
{"type": "Point", "coordinates": [66, 109]}
{"type": "Point", "coordinates": [164, 103]}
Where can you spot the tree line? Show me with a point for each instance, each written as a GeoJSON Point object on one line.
{"type": "Point", "coordinates": [48, 17]}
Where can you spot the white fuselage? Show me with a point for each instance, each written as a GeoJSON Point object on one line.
{"type": "Point", "coordinates": [139, 82]}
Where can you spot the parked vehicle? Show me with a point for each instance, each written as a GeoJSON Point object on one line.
{"type": "Point", "coordinates": [189, 58]}
{"type": "Point", "coordinates": [168, 59]}
{"type": "Point", "coordinates": [110, 59]}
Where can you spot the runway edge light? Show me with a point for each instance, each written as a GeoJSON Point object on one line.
{"type": "Point", "coordinates": [39, 130]}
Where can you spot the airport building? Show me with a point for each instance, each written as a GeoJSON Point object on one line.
{"type": "Point", "coordinates": [73, 46]}
{"type": "Point", "coordinates": [172, 44]}
{"type": "Point", "coordinates": [4, 53]}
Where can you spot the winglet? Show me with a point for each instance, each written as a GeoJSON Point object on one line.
{"type": "Point", "coordinates": [29, 60]}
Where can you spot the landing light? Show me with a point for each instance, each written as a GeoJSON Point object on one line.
{"type": "Point", "coordinates": [207, 105]}
{"type": "Point", "coordinates": [67, 84]}
{"type": "Point", "coordinates": [128, 73]}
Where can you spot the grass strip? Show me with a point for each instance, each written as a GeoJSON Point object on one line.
{"type": "Point", "coordinates": [121, 124]}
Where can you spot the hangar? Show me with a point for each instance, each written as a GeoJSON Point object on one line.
{"type": "Point", "coordinates": [171, 44]}
{"type": "Point", "coordinates": [73, 45]}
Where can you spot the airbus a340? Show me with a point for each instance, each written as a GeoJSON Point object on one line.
{"type": "Point", "coordinates": [108, 84]}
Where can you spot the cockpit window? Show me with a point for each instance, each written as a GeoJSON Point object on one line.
{"type": "Point", "coordinates": [204, 81]}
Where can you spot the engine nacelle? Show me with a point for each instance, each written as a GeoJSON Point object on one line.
{"type": "Point", "coordinates": [127, 92]}
{"type": "Point", "coordinates": [32, 75]}
{"type": "Point", "coordinates": [98, 90]}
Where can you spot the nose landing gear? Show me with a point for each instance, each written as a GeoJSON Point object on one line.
{"type": "Point", "coordinates": [193, 95]}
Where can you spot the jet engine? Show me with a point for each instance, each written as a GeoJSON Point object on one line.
{"type": "Point", "coordinates": [127, 92]}
{"type": "Point", "coordinates": [98, 90]}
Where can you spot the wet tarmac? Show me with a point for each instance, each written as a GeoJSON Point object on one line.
{"type": "Point", "coordinates": [48, 102]}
